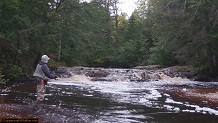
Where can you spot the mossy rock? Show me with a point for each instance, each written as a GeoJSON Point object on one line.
{"type": "Point", "coordinates": [150, 67]}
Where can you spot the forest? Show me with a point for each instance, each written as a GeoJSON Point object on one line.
{"type": "Point", "coordinates": [79, 33]}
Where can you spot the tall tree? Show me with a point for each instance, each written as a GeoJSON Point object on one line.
{"type": "Point", "coordinates": [183, 28]}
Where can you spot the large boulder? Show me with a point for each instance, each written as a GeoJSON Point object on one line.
{"type": "Point", "coordinates": [156, 72]}
{"type": "Point", "coordinates": [146, 76]}
{"type": "Point", "coordinates": [97, 73]}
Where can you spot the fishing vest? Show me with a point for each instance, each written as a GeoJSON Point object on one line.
{"type": "Point", "coordinates": [38, 72]}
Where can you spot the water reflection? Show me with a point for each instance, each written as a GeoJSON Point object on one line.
{"type": "Point", "coordinates": [106, 102]}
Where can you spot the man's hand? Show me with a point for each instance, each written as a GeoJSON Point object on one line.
{"type": "Point", "coordinates": [56, 77]}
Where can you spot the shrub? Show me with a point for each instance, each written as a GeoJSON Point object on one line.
{"type": "Point", "coordinates": [13, 71]}
{"type": "Point", "coordinates": [2, 80]}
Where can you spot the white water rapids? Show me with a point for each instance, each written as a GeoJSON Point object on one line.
{"type": "Point", "coordinates": [121, 96]}
{"type": "Point", "coordinates": [142, 93]}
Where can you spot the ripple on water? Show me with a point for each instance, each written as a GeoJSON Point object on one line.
{"type": "Point", "coordinates": [100, 102]}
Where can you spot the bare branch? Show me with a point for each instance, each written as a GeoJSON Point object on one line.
{"type": "Point", "coordinates": [58, 4]}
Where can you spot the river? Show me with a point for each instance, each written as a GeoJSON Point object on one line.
{"type": "Point", "coordinates": [109, 102]}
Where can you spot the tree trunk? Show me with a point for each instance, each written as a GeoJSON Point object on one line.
{"type": "Point", "coordinates": [116, 15]}
{"type": "Point", "coordinates": [59, 47]}
{"type": "Point", "coordinates": [210, 60]}
{"type": "Point", "coordinates": [215, 61]}
{"type": "Point", "coordinates": [60, 39]}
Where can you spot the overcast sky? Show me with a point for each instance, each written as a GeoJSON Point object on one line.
{"type": "Point", "coordinates": [127, 6]}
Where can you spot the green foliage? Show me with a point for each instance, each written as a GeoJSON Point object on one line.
{"type": "Point", "coordinates": [2, 80]}
{"type": "Point", "coordinates": [161, 32]}
{"type": "Point", "coordinates": [182, 30]}
{"type": "Point", "coordinates": [53, 64]}
{"type": "Point", "coordinates": [13, 71]}
{"type": "Point", "coordinates": [160, 57]}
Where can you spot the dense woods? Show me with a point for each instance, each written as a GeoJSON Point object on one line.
{"type": "Point", "coordinates": [78, 33]}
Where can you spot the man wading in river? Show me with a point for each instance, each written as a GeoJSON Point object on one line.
{"type": "Point", "coordinates": [42, 75]}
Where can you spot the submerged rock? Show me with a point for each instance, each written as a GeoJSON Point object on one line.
{"type": "Point", "coordinates": [201, 96]}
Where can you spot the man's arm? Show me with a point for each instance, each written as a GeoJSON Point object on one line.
{"type": "Point", "coordinates": [45, 69]}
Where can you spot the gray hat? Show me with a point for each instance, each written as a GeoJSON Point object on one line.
{"type": "Point", "coordinates": [45, 58]}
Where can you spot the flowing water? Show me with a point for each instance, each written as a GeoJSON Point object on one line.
{"type": "Point", "coordinates": [108, 102]}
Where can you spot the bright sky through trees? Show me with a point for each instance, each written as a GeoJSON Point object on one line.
{"type": "Point", "coordinates": [125, 6]}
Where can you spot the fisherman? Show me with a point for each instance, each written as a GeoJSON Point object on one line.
{"type": "Point", "coordinates": [42, 74]}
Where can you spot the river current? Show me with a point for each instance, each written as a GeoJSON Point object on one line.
{"type": "Point", "coordinates": [108, 102]}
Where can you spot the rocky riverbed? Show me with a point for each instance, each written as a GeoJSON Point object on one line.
{"type": "Point", "coordinates": [85, 94]}
{"type": "Point", "coordinates": [203, 96]}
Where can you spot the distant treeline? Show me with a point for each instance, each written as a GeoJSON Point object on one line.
{"type": "Point", "coordinates": [76, 33]}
